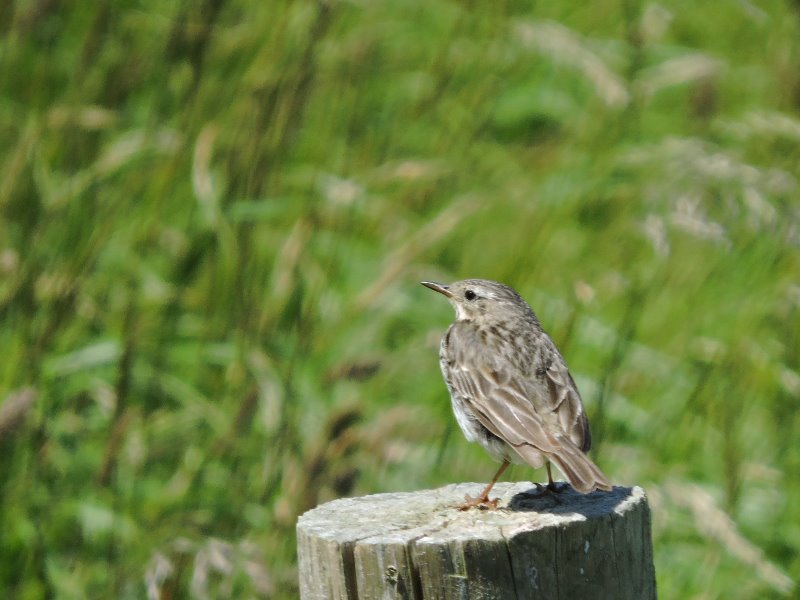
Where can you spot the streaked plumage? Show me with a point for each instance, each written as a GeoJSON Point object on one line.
{"type": "Point", "coordinates": [510, 387]}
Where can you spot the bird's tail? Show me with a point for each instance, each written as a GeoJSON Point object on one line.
{"type": "Point", "coordinates": [581, 472]}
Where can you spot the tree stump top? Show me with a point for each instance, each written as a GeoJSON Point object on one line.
{"type": "Point", "coordinates": [407, 515]}
{"type": "Point", "coordinates": [418, 545]}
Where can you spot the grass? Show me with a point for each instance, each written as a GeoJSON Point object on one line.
{"type": "Point", "coordinates": [213, 219]}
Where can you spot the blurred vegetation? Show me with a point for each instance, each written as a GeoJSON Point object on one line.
{"type": "Point", "coordinates": [213, 219]}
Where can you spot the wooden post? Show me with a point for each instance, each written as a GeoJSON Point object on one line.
{"type": "Point", "coordinates": [418, 546]}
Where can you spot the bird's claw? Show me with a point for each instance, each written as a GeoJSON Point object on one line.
{"type": "Point", "coordinates": [549, 489]}
{"type": "Point", "coordinates": [482, 502]}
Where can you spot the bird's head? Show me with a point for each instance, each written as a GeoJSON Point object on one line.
{"type": "Point", "coordinates": [481, 300]}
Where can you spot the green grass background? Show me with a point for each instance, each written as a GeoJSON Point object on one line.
{"type": "Point", "coordinates": [213, 219]}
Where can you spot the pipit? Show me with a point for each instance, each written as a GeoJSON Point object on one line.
{"type": "Point", "coordinates": [510, 388]}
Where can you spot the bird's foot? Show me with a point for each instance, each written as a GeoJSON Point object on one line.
{"type": "Point", "coordinates": [557, 487]}
{"type": "Point", "coordinates": [550, 489]}
{"type": "Point", "coordinates": [482, 502]}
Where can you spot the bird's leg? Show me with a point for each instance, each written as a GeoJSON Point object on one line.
{"type": "Point", "coordinates": [483, 498]}
{"type": "Point", "coordinates": [552, 486]}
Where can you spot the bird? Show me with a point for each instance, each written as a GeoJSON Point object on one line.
{"type": "Point", "coordinates": [510, 388]}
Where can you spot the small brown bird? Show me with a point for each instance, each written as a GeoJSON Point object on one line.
{"type": "Point", "coordinates": [510, 387]}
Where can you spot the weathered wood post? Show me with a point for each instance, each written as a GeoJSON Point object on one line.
{"type": "Point", "coordinates": [418, 546]}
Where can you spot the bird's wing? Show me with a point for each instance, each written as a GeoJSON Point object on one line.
{"type": "Point", "coordinates": [538, 413]}
{"type": "Point", "coordinates": [501, 407]}
{"type": "Point", "coordinates": [564, 400]}
{"type": "Point", "coordinates": [498, 399]}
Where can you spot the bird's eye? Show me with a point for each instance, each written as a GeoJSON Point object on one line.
{"type": "Point", "coordinates": [470, 295]}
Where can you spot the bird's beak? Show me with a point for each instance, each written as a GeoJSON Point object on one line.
{"type": "Point", "coordinates": [438, 287]}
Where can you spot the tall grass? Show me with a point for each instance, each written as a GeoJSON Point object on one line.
{"type": "Point", "coordinates": [215, 215]}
